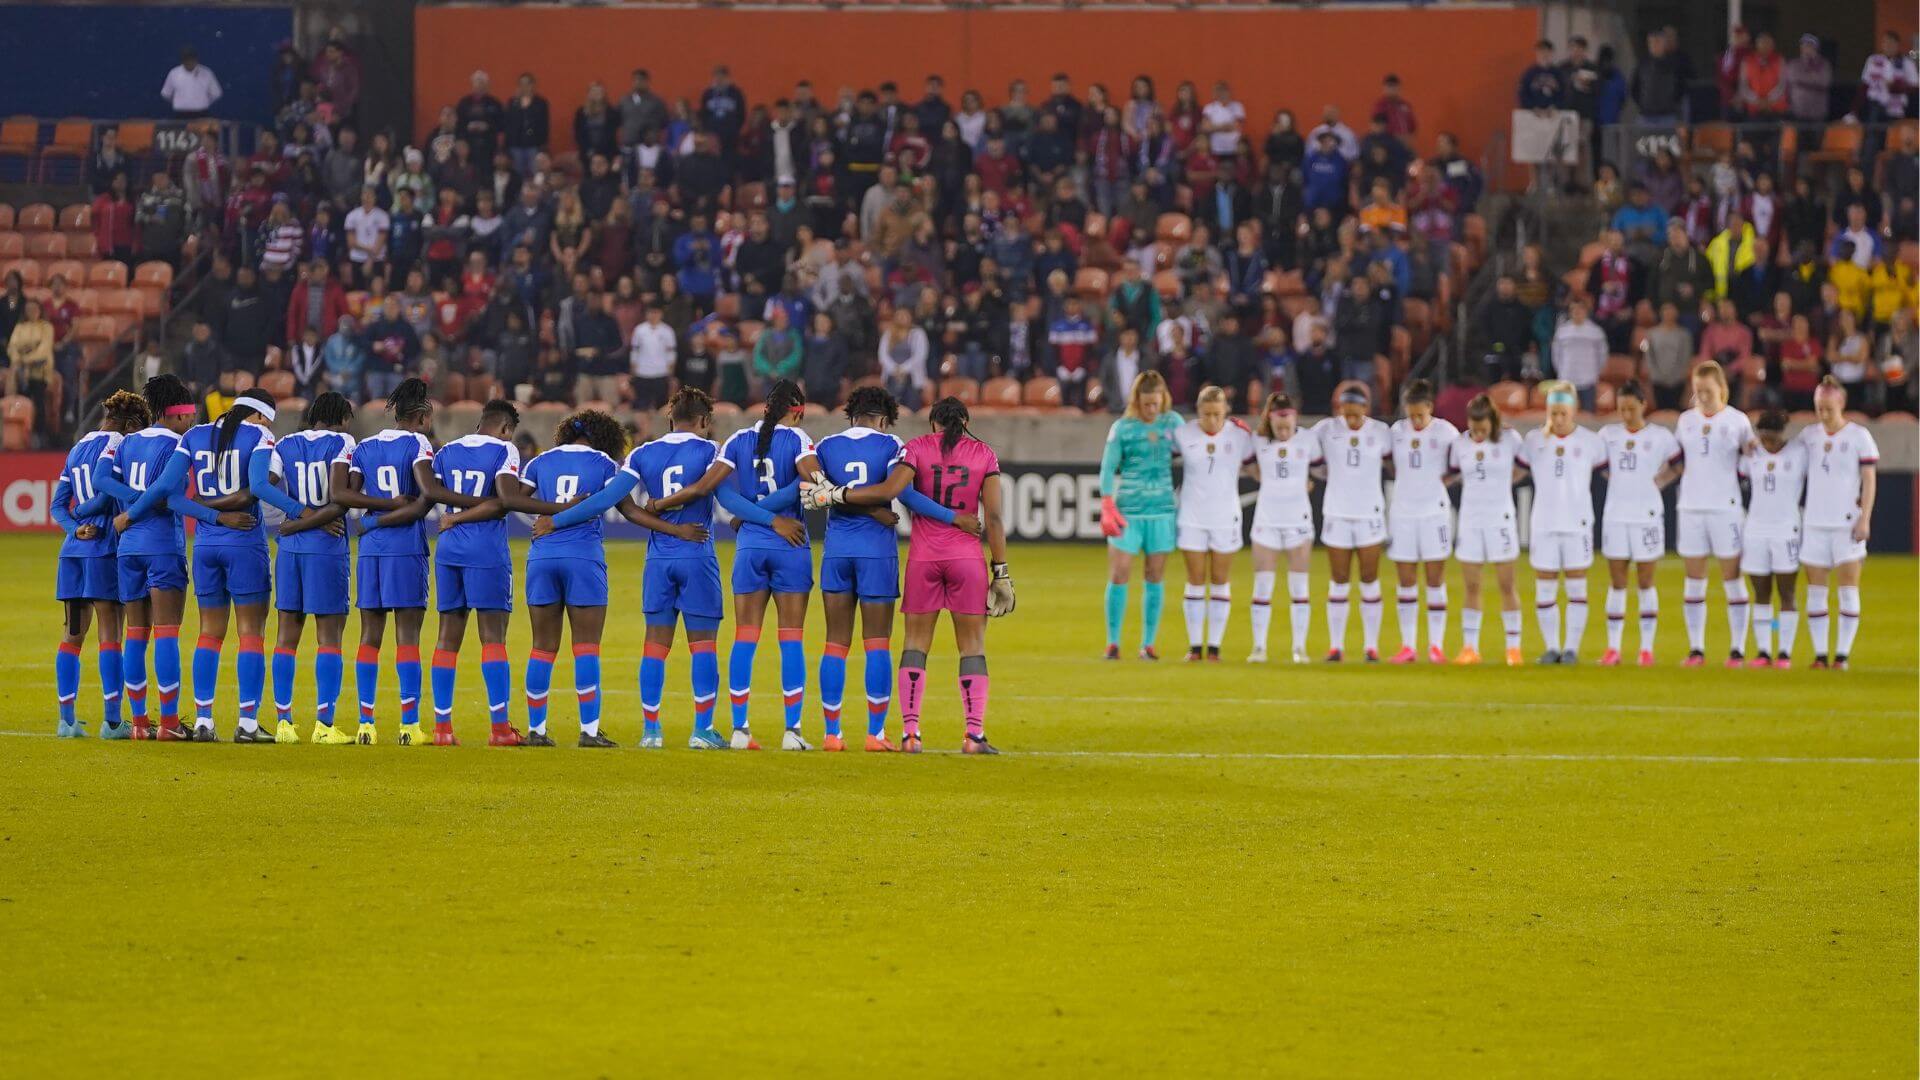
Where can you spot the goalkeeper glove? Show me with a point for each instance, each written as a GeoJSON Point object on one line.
{"type": "Point", "coordinates": [821, 496]}
{"type": "Point", "coordinates": [1112, 523]}
{"type": "Point", "coordinates": [1000, 597]}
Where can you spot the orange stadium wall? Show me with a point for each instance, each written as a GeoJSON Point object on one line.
{"type": "Point", "coordinates": [1458, 67]}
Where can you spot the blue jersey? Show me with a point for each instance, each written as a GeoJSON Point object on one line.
{"type": "Point", "coordinates": [214, 473]}
{"type": "Point", "coordinates": [138, 461]}
{"type": "Point", "coordinates": [303, 464]}
{"type": "Point", "coordinates": [857, 457]}
{"type": "Point", "coordinates": [761, 477]}
{"type": "Point", "coordinates": [663, 467]}
{"type": "Point", "coordinates": [560, 475]}
{"type": "Point", "coordinates": [468, 466]}
{"type": "Point", "coordinates": [78, 473]}
{"type": "Point", "coordinates": [384, 463]}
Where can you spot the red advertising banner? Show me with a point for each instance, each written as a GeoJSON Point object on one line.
{"type": "Point", "coordinates": [26, 490]}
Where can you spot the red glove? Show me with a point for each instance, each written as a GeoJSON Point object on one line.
{"type": "Point", "coordinates": [1111, 522]}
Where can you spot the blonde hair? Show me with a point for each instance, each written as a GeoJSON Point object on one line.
{"type": "Point", "coordinates": [1147, 382]}
{"type": "Point", "coordinates": [1210, 394]}
{"type": "Point", "coordinates": [1711, 371]}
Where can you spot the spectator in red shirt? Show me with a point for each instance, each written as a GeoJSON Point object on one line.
{"type": "Point", "coordinates": [1800, 365]}
{"type": "Point", "coordinates": [338, 73]}
{"type": "Point", "coordinates": [318, 301]}
{"type": "Point", "coordinates": [1761, 92]}
{"type": "Point", "coordinates": [1727, 76]}
{"type": "Point", "coordinates": [113, 233]}
{"type": "Point", "coordinates": [998, 168]}
{"type": "Point", "coordinates": [1398, 110]}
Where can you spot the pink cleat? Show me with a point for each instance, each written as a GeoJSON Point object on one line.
{"type": "Point", "coordinates": [1406, 655]}
{"type": "Point", "coordinates": [1736, 661]}
{"type": "Point", "coordinates": [1646, 657]}
{"type": "Point", "coordinates": [1761, 661]}
{"type": "Point", "coordinates": [1610, 658]}
{"type": "Point", "coordinates": [1436, 655]}
{"type": "Point", "coordinates": [1783, 662]}
{"type": "Point", "coordinates": [1694, 659]}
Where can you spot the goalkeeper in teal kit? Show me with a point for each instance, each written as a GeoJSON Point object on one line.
{"type": "Point", "coordinates": [1137, 507]}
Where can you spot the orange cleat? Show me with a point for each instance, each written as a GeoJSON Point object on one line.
{"type": "Point", "coordinates": [909, 744]}
{"type": "Point", "coordinates": [142, 731]}
{"type": "Point", "coordinates": [1467, 656]}
{"type": "Point", "coordinates": [1436, 655]}
{"type": "Point", "coordinates": [1514, 659]}
{"type": "Point", "coordinates": [833, 744]}
{"type": "Point", "coordinates": [1610, 658]}
{"type": "Point", "coordinates": [1646, 657]}
{"type": "Point", "coordinates": [1406, 655]}
{"type": "Point", "coordinates": [504, 736]}
{"type": "Point", "coordinates": [443, 735]}
{"type": "Point", "coordinates": [878, 744]}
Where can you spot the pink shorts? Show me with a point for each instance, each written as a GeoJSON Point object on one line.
{"type": "Point", "coordinates": [956, 585]}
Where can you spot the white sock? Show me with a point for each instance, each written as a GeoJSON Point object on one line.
{"type": "Point", "coordinates": [1763, 629]}
{"type": "Point", "coordinates": [1218, 608]}
{"type": "Point", "coordinates": [1739, 611]}
{"type": "Point", "coordinates": [1616, 617]}
{"type": "Point", "coordinates": [1261, 613]}
{"type": "Point", "coordinates": [590, 727]}
{"type": "Point", "coordinates": [1437, 616]}
{"type": "Point", "coordinates": [1194, 605]}
{"type": "Point", "coordinates": [1649, 617]}
{"type": "Point", "coordinates": [1407, 607]}
{"type": "Point", "coordinates": [1817, 619]}
{"type": "Point", "coordinates": [1789, 625]}
{"type": "Point", "coordinates": [1337, 611]}
{"type": "Point", "coordinates": [1370, 613]}
{"type": "Point", "coordinates": [1849, 619]}
{"type": "Point", "coordinates": [1510, 622]}
{"type": "Point", "coordinates": [1300, 595]}
{"type": "Point", "coordinates": [1695, 594]}
{"type": "Point", "coordinates": [1546, 612]}
{"type": "Point", "coordinates": [1470, 628]}
{"type": "Point", "coordinates": [1576, 613]}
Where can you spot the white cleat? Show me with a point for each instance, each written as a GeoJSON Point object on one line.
{"type": "Point", "coordinates": [1257, 656]}
{"type": "Point", "coordinates": [743, 740]}
{"type": "Point", "coordinates": [652, 742]}
{"type": "Point", "coordinates": [1300, 657]}
{"type": "Point", "coordinates": [793, 740]}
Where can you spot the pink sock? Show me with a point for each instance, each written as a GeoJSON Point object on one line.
{"type": "Point", "coordinates": [973, 700]}
{"type": "Point", "coordinates": [913, 686]}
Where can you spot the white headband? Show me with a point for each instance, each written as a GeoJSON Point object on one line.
{"type": "Point", "coordinates": [257, 404]}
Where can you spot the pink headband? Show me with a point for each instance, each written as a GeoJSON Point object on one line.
{"type": "Point", "coordinates": [180, 410]}
{"type": "Point", "coordinates": [1824, 392]}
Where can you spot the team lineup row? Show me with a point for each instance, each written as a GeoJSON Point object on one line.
{"type": "Point", "coordinates": [127, 489]}
{"type": "Point", "coordinates": [1810, 506]}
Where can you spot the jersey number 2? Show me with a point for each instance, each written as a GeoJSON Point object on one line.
{"type": "Point", "coordinates": [948, 480]}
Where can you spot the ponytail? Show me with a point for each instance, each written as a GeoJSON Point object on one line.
{"type": "Point", "coordinates": [949, 415]}
{"type": "Point", "coordinates": [785, 397]}
{"type": "Point", "coordinates": [245, 407]}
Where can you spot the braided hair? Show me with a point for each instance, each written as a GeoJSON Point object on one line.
{"type": "Point", "coordinates": [165, 392]}
{"type": "Point", "coordinates": [411, 400]}
{"type": "Point", "coordinates": [689, 403]}
{"type": "Point", "coordinates": [330, 409]}
{"type": "Point", "coordinates": [785, 397]}
{"type": "Point", "coordinates": [872, 401]}
{"type": "Point", "coordinates": [949, 414]}
{"type": "Point", "coordinates": [594, 428]}
{"type": "Point", "coordinates": [244, 408]}
{"type": "Point", "coordinates": [503, 412]}
{"type": "Point", "coordinates": [127, 412]}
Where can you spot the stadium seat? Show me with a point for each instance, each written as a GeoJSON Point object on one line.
{"type": "Point", "coordinates": [725, 408]}
{"type": "Point", "coordinates": [16, 422]}
{"type": "Point", "coordinates": [750, 332]}
{"type": "Point", "coordinates": [1508, 397]}
{"type": "Point", "coordinates": [1090, 283]}
{"type": "Point", "coordinates": [72, 271]}
{"type": "Point", "coordinates": [136, 137]}
{"type": "Point", "coordinates": [19, 138]}
{"type": "Point", "coordinates": [6, 217]}
{"type": "Point", "coordinates": [1620, 369]}
{"type": "Point", "coordinates": [121, 302]}
{"type": "Point", "coordinates": [72, 141]}
{"type": "Point", "coordinates": [153, 302]}
{"type": "Point", "coordinates": [1603, 400]}
{"type": "Point", "coordinates": [454, 387]}
{"type": "Point", "coordinates": [463, 416]}
{"type": "Point", "coordinates": [1292, 306]}
{"type": "Point", "coordinates": [1041, 392]}
{"type": "Point", "coordinates": [47, 245]}
{"type": "Point", "coordinates": [1839, 145]}
{"type": "Point", "coordinates": [1173, 228]}
{"type": "Point", "coordinates": [28, 269]}
{"type": "Point", "coordinates": [1001, 392]}
{"type": "Point", "coordinates": [1096, 394]}
{"type": "Point", "coordinates": [242, 381]}
{"type": "Point", "coordinates": [1709, 141]}
{"type": "Point", "coordinates": [82, 245]}
{"type": "Point", "coordinates": [88, 299]}
{"type": "Point", "coordinates": [1167, 284]}
{"type": "Point", "coordinates": [107, 274]}
{"type": "Point", "coordinates": [965, 389]}
{"type": "Point", "coordinates": [278, 383]}
{"type": "Point", "coordinates": [35, 217]}
{"type": "Point", "coordinates": [482, 388]}
{"type": "Point", "coordinates": [156, 274]}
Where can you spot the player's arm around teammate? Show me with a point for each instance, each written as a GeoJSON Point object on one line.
{"type": "Point", "coordinates": [1843, 481]}
{"type": "Point", "coordinates": [1353, 528]}
{"type": "Point", "coordinates": [1712, 437]}
{"type": "Point", "coordinates": [1563, 457]}
{"type": "Point", "coordinates": [1418, 522]}
{"type": "Point", "coordinates": [1643, 459]}
{"type": "Point", "coordinates": [1284, 457]}
{"type": "Point", "coordinates": [1486, 461]}
{"type": "Point", "coordinates": [1776, 472]}
{"type": "Point", "coordinates": [1137, 507]}
{"type": "Point", "coordinates": [1213, 448]}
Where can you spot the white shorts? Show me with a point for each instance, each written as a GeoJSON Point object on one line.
{"type": "Point", "coordinates": [1349, 533]}
{"type": "Point", "coordinates": [1709, 532]}
{"type": "Point", "coordinates": [1636, 541]}
{"type": "Point", "coordinates": [1487, 543]}
{"type": "Point", "coordinates": [1826, 548]}
{"type": "Point", "coordinates": [1197, 538]}
{"type": "Point", "coordinates": [1282, 537]}
{"type": "Point", "coordinates": [1428, 538]}
{"type": "Point", "coordinates": [1770, 554]}
{"type": "Point", "coordinates": [1554, 552]}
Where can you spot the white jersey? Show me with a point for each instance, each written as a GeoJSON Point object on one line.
{"type": "Point", "coordinates": [1777, 480]}
{"type": "Point", "coordinates": [1353, 460]}
{"type": "Point", "coordinates": [1283, 480]}
{"type": "Point", "coordinates": [1712, 446]}
{"type": "Point", "coordinates": [1563, 479]}
{"type": "Point", "coordinates": [1486, 477]}
{"type": "Point", "coordinates": [1833, 473]}
{"type": "Point", "coordinates": [1210, 473]}
{"type": "Point", "coordinates": [1634, 458]}
{"type": "Point", "coordinates": [1420, 468]}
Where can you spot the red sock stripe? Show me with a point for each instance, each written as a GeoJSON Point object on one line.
{"type": "Point", "coordinates": [166, 632]}
{"type": "Point", "coordinates": [168, 697]}
{"type": "Point", "coordinates": [589, 697]}
{"type": "Point", "coordinates": [651, 716]}
{"type": "Point", "coordinates": [835, 649]}
{"type": "Point", "coordinates": [329, 650]}
{"type": "Point", "coordinates": [443, 658]}
{"type": "Point", "coordinates": [830, 714]}
{"type": "Point", "coordinates": [707, 646]}
{"type": "Point", "coordinates": [291, 652]}
{"type": "Point", "coordinates": [796, 697]}
{"type": "Point", "coordinates": [656, 651]}
{"type": "Point", "coordinates": [109, 646]}
{"type": "Point", "coordinates": [252, 643]}
{"type": "Point", "coordinates": [878, 644]}
{"type": "Point", "coordinates": [490, 654]}
{"type": "Point", "coordinates": [791, 633]}
{"type": "Point", "coordinates": [368, 654]}
{"type": "Point", "coordinates": [739, 697]}
{"type": "Point", "coordinates": [212, 644]}
{"type": "Point", "coordinates": [746, 633]}
{"type": "Point", "coordinates": [136, 633]}
{"type": "Point", "coordinates": [406, 654]}
{"type": "Point", "coordinates": [70, 648]}
{"type": "Point", "coordinates": [585, 650]}
{"type": "Point", "coordinates": [542, 655]}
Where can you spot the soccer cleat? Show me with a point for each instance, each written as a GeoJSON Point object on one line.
{"type": "Point", "coordinates": [252, 735]}
{"type": "Point", "coordinates": [411, 735]}
{"type": "Point", "coordinates": [1467, 656]}
{"type": "Point", "coordinates": [791, 739]}
{"type": "Point", "coordinates": [1735, 660]}
{"type": "Point", "coordinates": [69, 729]}
{"type": "Point", "coordinates": [443, 735]}
{"type": "Point", "coordinates": [1406, 655]}
{"type": "Point", "coordinates": [1610, 658]}
{"type": "Point", "coordinates": [366, 735]}
{"type": "Point", "coordinates": [879, 744]}
{"type": "Point", "coordinates": [595, 741]}
{"type": "Point", "coordinates": [705, 739]}
{"type": "Point", "coordinates": [1646, 657]}
{"type": "Point", "coordinates": [328, 735]}
{"type": "Point", "coordinates": [1839, 663]}
{"type": "Point", "coordinates": [1783, 662]}
{"type": "Point", "coordinates": [1515, 658]}
{"type": "Point", "coordinates": [1213, 654]}
{"type": "Point", "coordinates": [1195, 655]}
{"type": "Point", "coordinates": [1148, 652]}
{"type": "Point", "coordinates": [1112, 653]}
{"type": "Point", "coordinates": [909, 744]}
{"type": "Point", "coordinates": [1436, 655]}
{"type": "Point", "coordinates": [1334, 656]}
{"type": "Point", "coordinates": [1761, 661]}
{"type": "Point", "coordinates": [652, 742]}
{"type": "Point", "coordinates": [173, 734]}
{"type": "Point", "coordinates": [536, 738]}
{"type": "Point", "coordinates": [111, 732]}
{"type": "Point", "coordinates": [506, 737]}
{"type": "Point", "coordinates": [1548, 658]}
{"type": "Point", "coordinates": [285, 732]}
{"type": "Point", "coordinates": [833, 744]}
{"type": "Point", "coordinates": [1257, 656]}
{"type": "Point", "coordinates": [977, 744]}
{"type": "Point", "coordinates": [1695, 658]}
{"type": "Point", "coordinates": [1819, 663]}
{"type": "Point", "coordinates": [1300, 657]}
{"type": "Point", "coordinates": [142, 731]}
{"type": "Point", "coordinates": [1373, 656]}
{"type": "Point", "coordinates": [743, 740]}
{"type": "Point", "coordinates": [1569, 658]}
{"type": "Point", "coordinates": [203, 733]}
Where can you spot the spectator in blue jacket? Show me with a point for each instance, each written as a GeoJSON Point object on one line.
{"type": "Point", "coordinates": [696, 257]}
{"type": "Point", "coordinates": [1012, 250]}
{"type": "Point", "coordinates": [1642, 223]}
{"type": "Point", "coordinates": [1542, 86]}
{"type": "Point", "coordinates": [1325, 174]}
{"type": "Point", "coordinates": [345, 359]}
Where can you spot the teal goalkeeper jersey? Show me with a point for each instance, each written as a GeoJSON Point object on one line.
{"type": "Point", "coordinates": [1137, 465]}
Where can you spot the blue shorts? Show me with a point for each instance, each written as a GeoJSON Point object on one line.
{"type": "Point", "coordinates": [682, 588]}
{"type": "Point", "coordinates": [311, 583]}
{"type": "Point", "coordinates": [230, 573]}
{"type": "Point", "coordinates": [387, 582]}
{"type": "Point", "coordinates": [87, 577]}
{"type": "Point", "coordinates": [573, 582]}
{"type": "Point", "coordinates": [481, 588]}
{"type": "Point", "coordinates": [869, 578]}
{"type": "Point", "coordinates": [782, 569]}
{"type": "Point", "coordinates": [144, 574]}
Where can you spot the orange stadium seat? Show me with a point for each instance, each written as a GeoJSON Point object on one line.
{"type": "Point", "coordinates": [1090, 282]}
{"type": "Point", "coordinates": [965, 389]}
{"type": "Point", "coordinates": [154, 274]}
{"type": "Point", "coordinates": [16, 422]}
{"type": "Point", "coordinates": [1000, 392]}
{"type": "Point", "coordinates": [6, 217]}
{"type": "Point", "coordinates": [72, 271]}
{"type": "Point", "coordinates": [1042, 392]}
{"type": "Point", "coordinates": [35, 217]}
{"type": "Point", "coordinates": [47, 245]}
{"type": "Point", "coordinates": [107, 274]}
{"type": "Point", "coordinates": [136, 137]}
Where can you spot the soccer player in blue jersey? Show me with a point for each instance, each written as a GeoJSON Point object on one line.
{"type": "Point", "coordinates": [148, 476]}
{"type": "Point", "coordinates": [89, 578]}
{"type": "Point", "coordinates": [230, 566]}
{"type": "Point", "coordinates": [378, 476]}
{"type": "Point", "coordinates": [313, 567]}
{"type": "Point", "coordinates": [860, 557]}
{"type": "Point", "coordinates": [472, 566]}
{"type": "Point", "coordinates": [682, 577]}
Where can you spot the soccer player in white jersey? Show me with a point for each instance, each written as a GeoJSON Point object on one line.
{"type": "Point", "coordinates": [1419, 520]}
{"type": "Point", "coordinates": [1712, 437]}
{"type": "Point", "coordinates": [1486, 460]}
{"type": "Point", "coordinates": [1353, 448]}
{"type": "Point", "coordinates": [1642, 459]}
{"type": "Point", "coordinates": [1776, 472]}
{"type": "Point", "coordinates": [1563, 457]}
{"type": "Point", "coordinates": [1284, 454]}
{"type": "Point", "coordinates": [1842, 479]}
{"type": "Point", "coordinates": [1213, 449]}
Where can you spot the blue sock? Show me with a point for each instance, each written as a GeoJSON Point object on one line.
{"type": "Point", "coordinates": [746, 640]}
{"type": "Point", "coordinates": [250, 673]}
{"type": "Point", "coordinates": [406, 670]}
{"type": "Point", "coordinates": [166, 673]}
{"type": "Point", "coordinates": [206, 676]}
{"type": "Point", "coordinates": [1116, 611]}
{"type": "Point", "coordinates": [793, 673]}
{"type": "Point", "coordinates": [586, 686]}
{"type": "Point", "coordinates": [329, 670]}
{"type": "Point", "coordinates": [833, 684]}
{"type": "Point", "coordinates": [497, 672]}
{"type": "Point", "coordinates": [366, 680]}
{"type": "Point", "coordinates": [539, 681]}
{"type": "Point", "coordinates": [286, 671]}
{"type": "Point", "coordinates": [653, 685]}
{"type": "Point", "coordinates": [879, 683]}
{"type": "Point", "coordinates": [133, 672]}
{"type": "Point", "coordinates": [705, 669]}
{"type": "Point", "coordinates": [446, 666]}
{"type": "Point", "coordinates": [110, 676]}
{"type": "Point", "coordinates": [1153, 599]}
{"type": "Point", "coordinates": [66, 679]}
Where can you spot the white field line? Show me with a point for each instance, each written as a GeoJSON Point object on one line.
{"type": "Point", "coordinates": [1431, 703]}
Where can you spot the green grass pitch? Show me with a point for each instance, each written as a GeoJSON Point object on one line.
{"type": "Point", "coordinates": [1219, 870]}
